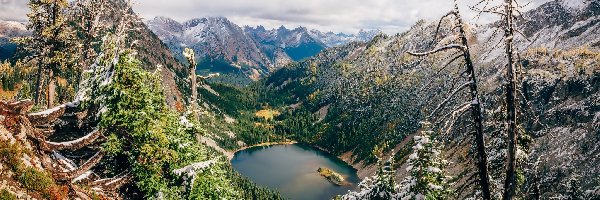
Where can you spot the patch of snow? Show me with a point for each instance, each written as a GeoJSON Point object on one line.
{"type": "Point", "coordinates": [73, 104]}
{"type": "Point", "coordinates": [48, 112]}
{"type": "Point", "coordinates": [64, 161]}
{"type": "Point", "coordinates": [574, 4]}
{"type": "Point", "coordinates": [434, 169]}
{"type": "Point", "coordinates": [82, 176]}
{"type": "Point", "coordinates": [189, 172]}
{"type": "Point", "coordinates": [184, 121]}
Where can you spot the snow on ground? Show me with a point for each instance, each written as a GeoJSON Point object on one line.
{"type": "Point", "coordinates": [48, 112]}
{"type": "Point", "coordinates": [185, 122]}
{"type": "Point", "coordinates": [228, 119]}
{"type": "Point", "coordinates": [575, 4]}
{"type": "Point", "coordinates": [82, 176]}
{"type": "Point", "coordinates": [209, 89]}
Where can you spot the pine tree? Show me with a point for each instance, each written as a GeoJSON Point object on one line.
{"type": "Point", "coordinates": [378, 187]}
{"type": "Point", "coordinates": [574, 188]}
{"type": "Point", "coordinates": [88, 21]}
{"type": "Point", "coordinates": [426, 179]}
{"type": "Point", "coordinates": [52, 43]}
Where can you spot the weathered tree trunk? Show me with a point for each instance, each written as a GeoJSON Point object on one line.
{"type": "Point", "coordinates": [475, 114]}
{"type": "Point", "coordinates": [72, 145]}
{"type": "Point", "coordinates": [511, 114]}
{"type": "Point", "coordinates": [70, 175]}
{"type": "Point", "coordinates": [194, 84]}
{"type": "Point", "coordinates": [51, 89]}
{"type": "Point", "coordinates": [191, 58]}
{"type": "Point", "coordinates": [38, 85]}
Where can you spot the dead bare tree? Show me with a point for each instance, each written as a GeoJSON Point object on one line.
{"type": "Point", "coordinates": [191, 58]}
{"type": "Point", "coordinates": [511, 113]}
{"type": "Point", "coordinates": [38, 129]}
{"type": "Point", "coordinates": [462, 45]}
{"type": "Point", "coordinates": [509, 12]}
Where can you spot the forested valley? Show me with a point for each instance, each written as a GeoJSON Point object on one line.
{"type": "Point", "coordinates": [100, 104]}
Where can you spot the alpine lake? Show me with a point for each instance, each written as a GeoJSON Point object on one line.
{"type": "Point", "coordinates": [291, 169]}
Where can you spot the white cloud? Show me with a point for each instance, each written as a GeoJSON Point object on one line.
{"type": "Point", "coordinates": [14, 10]}
{"type": "Point", "coordinates": [391, 16]}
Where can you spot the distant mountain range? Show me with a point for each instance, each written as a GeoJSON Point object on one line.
{"type": "Point", "coordinates": [10, 29]}
{"type": "Point", "coordinates": [332, 39]}
{"type": "Point", "coordinates": [248, 52]}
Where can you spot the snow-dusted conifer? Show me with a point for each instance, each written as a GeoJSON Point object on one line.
{"type": "Point", "coordinates": [426, 178]}
{"type": "Point", "coordinates": [378, 187]}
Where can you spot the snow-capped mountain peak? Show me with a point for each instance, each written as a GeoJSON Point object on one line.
{"type": "Point", "coordinates": [332, 39]}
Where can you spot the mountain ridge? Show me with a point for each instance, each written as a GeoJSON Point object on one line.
{"type": "Point", "coordinates": [249, 52]}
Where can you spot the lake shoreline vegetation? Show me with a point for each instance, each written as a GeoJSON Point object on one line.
{"type": "Point", "coordinates": [96, 104]}
{"type": "Point", "coordinates": [266, 144]}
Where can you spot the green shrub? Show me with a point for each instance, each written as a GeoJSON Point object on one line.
{"type": "Point", "coordinates": [10, 154]}
{"type": "Point", "coordinates": [5, 195]}
{"type": "Point", "coordinates": [35, 180]}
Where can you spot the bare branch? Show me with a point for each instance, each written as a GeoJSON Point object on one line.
{"type": "Point", "coordinates": [444, 118]}
{"type": "Point", "coordinates": [437, 29]}
{"type": "Point", "coordinates": [465, 85]}
{"type": "Point", "coordinates": [454, 115]}
{"type": "Point", "coordinates": [80, 193]}
{"type": "Point", "coordinates": [72, 145]}
{"type": "Point", "coordinates": [444, 48]}
{"type": "Point", "coordinates": [46, 116]}
{"type": "Point", "coordinates": [439, 71]}
{"type": "Point", "coordinates": [113, 183]}
{"type": "Point", "coordinates": [69, 175]}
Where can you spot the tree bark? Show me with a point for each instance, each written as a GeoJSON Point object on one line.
{"type": "Point", "coordinates": [47, 116]}
{"type": "Point", "coordinates": [511, 114]}
{"type": "Point", "coordinates": [92, 162]}
{"type": "Point", "coordinates": [476, 115]}
{"type": "Point", "coordinates": [51, 89]}
{"type": "Point", "coordinates": [38, 85]}
{"type": "Point", "coordinates": [194, 84]}
{"type": "Point", "coordinates": [72, 145]}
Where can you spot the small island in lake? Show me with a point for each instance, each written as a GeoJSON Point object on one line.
{"type": "Point", "coordinates": [332, 176]}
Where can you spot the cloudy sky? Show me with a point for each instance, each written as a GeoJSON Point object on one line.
{"type": "Point", "coordinates": [348, 16]}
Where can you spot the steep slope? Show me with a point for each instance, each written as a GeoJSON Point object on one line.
{"type": "Point", "coordinates": [87, 149]}
{"type": "Point", "coordinates": [151, 51]}
{"type": "Point", "coordinates": [154, 54]}
{"type": "Point", "coordinates": [297, 43]}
